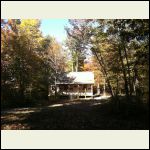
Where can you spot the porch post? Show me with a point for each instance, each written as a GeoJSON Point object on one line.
{"type": "Point", "coordinates": [85, 92]}
{"type": "Point", "coordinates": [98, 89]}
{"type": "Point", "coordinates": [78, 91]}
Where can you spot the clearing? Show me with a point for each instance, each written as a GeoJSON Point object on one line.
{"type": "Point", "coordinates": [73, 115]}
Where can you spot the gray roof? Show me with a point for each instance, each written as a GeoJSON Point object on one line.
{"type": "Point", "coordinates": [77, 78]}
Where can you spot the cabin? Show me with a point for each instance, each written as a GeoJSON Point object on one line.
{"type": "Point", "coordinates": [76, 84]}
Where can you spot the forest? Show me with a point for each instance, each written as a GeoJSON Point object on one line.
{"type": "Point", "coordinates": [116, 50]}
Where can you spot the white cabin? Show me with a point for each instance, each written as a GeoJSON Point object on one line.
{"type": "Point", "coordinates": [76, 83]}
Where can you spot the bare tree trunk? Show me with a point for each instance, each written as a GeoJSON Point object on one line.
{"type": "Point", "coordinates": [77, 62]}
{"type": "Point", "coordinates": [104, 87]}
{"type": "Point", "coordinates": [101, 62]}
{"type": "Point", "coordinates": [128, 70]}
{"type": "Point", "coordinates": [72, 66]}
{"type": "Point", "coordinates": [21, 81]}
{"type": "Point", "coordinates": [21, 91]}
{"type": "Point", "coordinates": [117, 88]}
{"type": "Point", "coordinates": [124, 73]}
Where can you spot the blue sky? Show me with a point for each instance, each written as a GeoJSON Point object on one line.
{"type": "Point", "coordinates": [54, 27]}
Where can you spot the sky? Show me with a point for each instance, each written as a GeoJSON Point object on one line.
{"type": "Point", "coordinates": [55, 28]}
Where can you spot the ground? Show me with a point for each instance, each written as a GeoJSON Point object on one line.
{"type": "Point", "coordinates": [72, 115]}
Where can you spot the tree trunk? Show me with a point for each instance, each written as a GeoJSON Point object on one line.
{"type": "Point", "coordinates": [101, 62]}
{"type": "Point", "coordinates": [21, 90]}
{"type": "Point", "coordinates": [128, 70]}
{"type": "Point", "coordinates": [47, 92]}
{"type": "Point", "coordinates": [124, 73]}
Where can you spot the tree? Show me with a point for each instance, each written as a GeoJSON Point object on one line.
{"type": "Point", "coordinates": [29, 60]}
{"type": "Point", "coordinates": [119, 46]}
{"type": "Point", "coordinates": [77, 42]}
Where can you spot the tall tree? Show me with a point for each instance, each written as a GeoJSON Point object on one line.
{"type": "Point", "coordinates": [120, 46]}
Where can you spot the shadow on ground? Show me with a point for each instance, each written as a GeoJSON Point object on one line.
{"type": "Point", "coordinates": [74, 115]}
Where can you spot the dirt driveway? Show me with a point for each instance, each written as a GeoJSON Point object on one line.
{"type": "Point", "coordinates": [69, 115]}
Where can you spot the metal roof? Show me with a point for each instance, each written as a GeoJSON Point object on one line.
{"type": "Point", "coordinates": [77, 78]}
